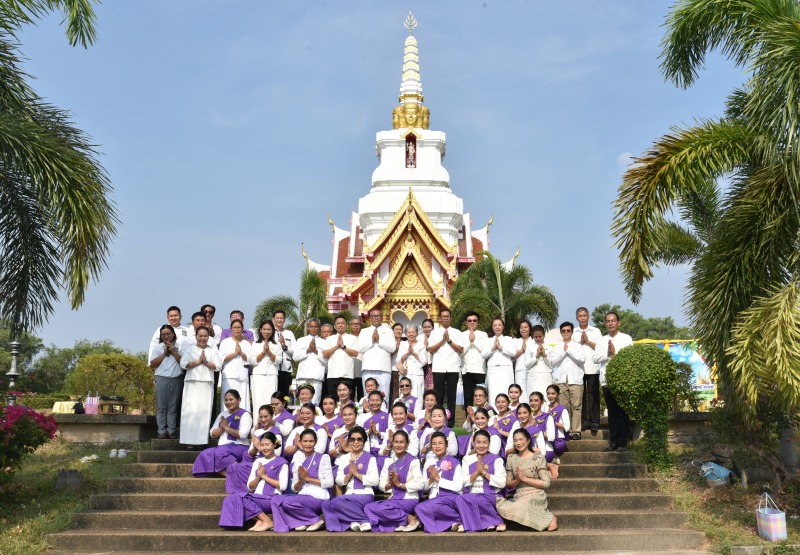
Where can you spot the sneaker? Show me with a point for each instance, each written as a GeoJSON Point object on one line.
{"type": "Point", "coordinates": [576, 435]}
{"type": "Point", "coordinates": [365, 527]}
{"type": "Point", "coordinates": [113, 454]}
{"type": "Point", "coordinates": [355, 527]}
{"type": "Point", "coordinates": [410, 527]}
{"type": "Point", "coordinates": [454, 527]}
{"type": "Point", "coordinates": [300, 528]}
{"type": "Point", "coordinates": [122, 453]}
{"type": "Point", "coordinates": [610, 448]}
{"type": "Point", "coordinates": [316, 526]}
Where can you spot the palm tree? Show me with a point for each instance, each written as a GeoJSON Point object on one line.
{"type": "Point", "coordinates": [491, 290]}
{"type": "Point", "coordinates": [312, 303]}
{"type": "Point", "coordinates": [744, 289]}
{"type": "Point", "coordinates": [56, 220]}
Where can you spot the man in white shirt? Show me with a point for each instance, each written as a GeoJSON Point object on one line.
{"type": "Point", "coordinates": [376, 345]}
{"type": "Point", "coordinates": [340, 352]}
{"type": "Point", "coordinates": [358, 389]}
{"type": "Point", "coordinates": [609, 345]}
{"type": "Point", "coordinates": [198, 320]}
{"type": "Point", "coordinates": [287, 340]}
{"type": "Point", "coordinates": [473, 369]}
{"type": "Point", "coordinates": [174, 320]}
{"type": "Point", "coordinates": [215, 330]}
{"type": "Point", "coordinates": [446, 362]}
{"type": "Point", "coordinates": [308, 355]}
{"type": "Point", "coordinates": [588, 336]}
{"type": "Point", "coordinates": [567, 360]}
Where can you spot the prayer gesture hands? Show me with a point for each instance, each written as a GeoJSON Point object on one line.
{"type": "Point", "coordinates": [375, 336]}
{"type": "Point", "coordinates": [312, 347]}
{"type": "Point", "coordinates": [496, 346]}
{"type": "Point", "coordinates": [261, 472]}
{"type": "Point", "coordinates": [353, 468]}
{"type": "Point", "coordinates": [395, 479]}
{"type": "Point", "coordinates": [540, 351]}
{"type": "Point", "coordinates": [202, 358]}
{"type": "Point", "coordinates": [472, 337]}
{"type": "Point", "coordinates": [302, 474]}
{"type": "Point", "coordinates": [433, 473]}
{"type": "Point", "coordinates": [584, 338]}
{"type": "Point", "coordinates": [373, 429]}
{"type": "Point", "coordinates": [340, 342]}
{"type": "Point", "coordinates": [611, 349]}
{"type": "Point", "coordinates": [446, 336]}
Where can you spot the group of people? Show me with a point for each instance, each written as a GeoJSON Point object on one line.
{"type": "Point", "coordinates": [340, 442]}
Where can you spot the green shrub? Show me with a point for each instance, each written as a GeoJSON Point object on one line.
{"type": "Point", "coordinates": [42, 401]}
{"type": "Point", "coordinates": [642, 379]}
{"type": "Point", "coordinates": [686, 397]}
{"type": "Point", "coordinates": [115, 374]}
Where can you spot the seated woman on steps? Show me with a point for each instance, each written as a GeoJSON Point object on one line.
{"type": "Point", "coordinates": [232, 430]}
{"type": "Point", "coordinates": [237, 473]}
{"type": "Point", "coordinates": [527, 472]}
{"type": "Point", "coordinates": [268, 478]}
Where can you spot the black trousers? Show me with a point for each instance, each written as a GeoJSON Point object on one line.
{"type": "Point", "coordinates": [619, 424]}
{"type": "Point", "coordinates": [591, 402]}
{"type": "Point", "coordinates": [284, 382]}
{"type": "Point", "coordinates": [446, 386]}
{"type": "Point", "coordinates": [470, 380]}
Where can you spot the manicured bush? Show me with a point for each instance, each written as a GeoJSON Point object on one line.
{"type": "Point", "coordinates": [22, 430]}
{"type": "Point", "coordinates": [642, 379]}
{"type": "Point", "coordinates": [41, 401]}
{"type": "Point", "coordinates": [115, 374]}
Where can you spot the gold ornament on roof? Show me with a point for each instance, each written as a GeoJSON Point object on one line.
{"type": "Point", "coordinates": [410, 23]}
{"type": "Point", "coordinates": [410, 115]}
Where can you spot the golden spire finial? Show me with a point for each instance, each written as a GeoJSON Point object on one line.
{"type": "Point", "coordinates": [516, 255]}
{"type": "Point", "coordinates": [491, 221]}
{"type": "Point", "coordinates": [333, 226]}
{"type": "Point", "coordinates": [303, 252]}
{"type": "Point", "coordinates": [410, 23]}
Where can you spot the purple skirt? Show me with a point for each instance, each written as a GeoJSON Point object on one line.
{"type": "Point", "coordinates": [241, 507]}
{"type": "Point", "coordinates": [340, 511]}
{"type": "Point", "coordinates": [559, 445]}
{"type": "Point", "coordinates": [291, 511]}
{"type": "Point", "coordinates": [478, 511]}
{"type": "Point", "coordinates": [237, 474]}
{"type": "Point", "coordinates": [438, 514]}
{"type": "Point", "coordinates": [463, 444]}
{"type": "Point", "coordinates": [214, 460]}
{"type": "Point", "coordinates": [386, 516]}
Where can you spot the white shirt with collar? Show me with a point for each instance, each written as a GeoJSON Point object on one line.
{"type": "Point", "coordinates": [601, 358]}
{"type": "Point", "coordinates": [180, 333]}
{"type": "Point", "coordinates": [311, 365]}
{"type": "Point", "coordinates": [520, 363]}
{"type": "Point", "coordinates": [169, 367]}
{"type": "Point", "coordinates": [340, 364]}
{"type": "Point", "coordinates": [376, 356]}
{"type": "Point", "coordinates": [445, 359]}
{"type": "Point", "coordinates": [414, 482]}
{"type": "Point", "coordinates": [473, 361]}
{"type": "Point", "coordinates": [567, 364]}
{"type": "Point", "coordinates": [501, 356]}
{"type": "Point", "coordinates": [536, 363]}
{"type": "Point", "coordinates": [266, 367]}
{"type": "Point", "coordinates": [592, 334]}
{"type": "Point", "coordinates": [413, 364]}
{"type": "Point", "coordinates": [455, 485]}
{"type": "Point", "coordinates": [289, 339]}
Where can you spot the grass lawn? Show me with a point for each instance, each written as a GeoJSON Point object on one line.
{"type": "Point", "coordinates": [726, 515]}
{"type": "Point", "coordinates": [31, 508]}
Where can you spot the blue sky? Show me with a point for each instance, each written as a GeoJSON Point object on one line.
{"type": "Point", "coordinates": [230, 130]}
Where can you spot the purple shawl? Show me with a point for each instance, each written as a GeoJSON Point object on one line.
{"type": "Point", "coordinates": [233, 421]}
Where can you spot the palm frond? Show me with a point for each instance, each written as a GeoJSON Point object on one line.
{"type": "Point", "coordinates": [676, 245]}
{"type": "Point", "coordinates": [267, 308]}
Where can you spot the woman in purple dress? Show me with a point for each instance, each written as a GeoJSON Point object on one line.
{"type": "Point", "coordinates": [268, 478]}
{"type": "Point", "coordinates": [438, 424]}
{"type": "Point", "coordinates": [560, 415]}
{"type": "Point", "coordinates": [344, 396]}
{"type": "Point", "coordinates": [481, 422]}
{"type": "Point", "coordinates": [399, 422]}
{"type": "Point", "coordinates": [311, 479]}
{"type": "Point", "coordinates": [305, 421]}
{"type": "Point", "coordinates": [514, 394]}
{"type": "Point", "coordinates": [544, 425]}
{"type": "Point", "coordinates": [305, 395]}
{"type": "Point", "coordinates": [443, 482]}
{"type": "Point", "coordinates": [283, 418]}
{"type": "Point", "coordinates": [402, 478]}
{"type": "Point", "coordinates": [232, 430]}
{"type": "Point", "coordinates": [484, 478]}
{"type": "Point", "coordinates": [330, 419]}
{"type": "Point", "coordinates": [406, 397]}
{"type": "Point", "coordinates": [236, 478]}
{"type": "Point", "coordinates": [376, 422]}
{"type": "Point", "coordinates": [504, 420]}
{"type": "Point", "coordinates": [422, 416]}
{"type": "Point", "coordinates": [358, 474]}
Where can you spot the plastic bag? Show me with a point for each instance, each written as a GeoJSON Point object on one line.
{"type": "Point", "coordinates": [715, 475]}
{"type": "Point", "coordinates": [771, 520]}
{"type": "Point", "coordinates": [92, 404]}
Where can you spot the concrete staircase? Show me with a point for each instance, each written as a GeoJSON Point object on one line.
{"type": "Point", "coordinates": [604, 503]}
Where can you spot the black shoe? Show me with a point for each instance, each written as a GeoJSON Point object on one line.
{"type": "Point", "coordinates": [594, 432]}
{"type": "Point", "coordinates": [610, 448]}
{"type": "Point", "coordinates": [162, 436]}
{"type": "Point", "coordinates": [576, 435]}
{"type": "Point", "coordinates": [621, 449]}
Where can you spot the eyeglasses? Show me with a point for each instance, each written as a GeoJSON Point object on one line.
{"type": "Point", "coordinates": [566, 331]}
{"type": "Point", "coordinates": [470, 321]}
{"type": "Point", "coordinates": [209, 312]}
{"type": "Point", "coordinates": [405, 386]}
{"type": "Point", "coordinates": [355, 439]}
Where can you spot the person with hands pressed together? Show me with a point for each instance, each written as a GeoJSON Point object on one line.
{"type": "Point", "coordinates": [201, 363]}
{"type": "Point", "coordinates": [567, 360]}
{"type": "Point", "coordinates": [358, 474]}
{"type": "Point", "coordinates": [524, 346]}
{"type": "Point", "coordinates": [266, 358]}
{"type": "Point", "coordinates": [341, 351]}
{"type": "Point", "coordinates": [308, 354]}
{"type": "Point", "coordinates": [588, 336]}
{"type": "Point", "coordinates": [286, 340]}
{"type": "Point", "coordinates": [235, 352]}
{"type": "Point", "coordinates": [444, 482]}
{"type": "Point", "coordinates": [498, 351]}
{"type": "Point", "coordinates": [443, 345]}
{"type": "Point", "coordinates": [484, 478]}
{"type": "Point", "coordinates": [165, 361]}
{"type": "Point", "coordinates": [473, 371]}
{"type": "Point", "coordinates": [306, 421]}
{"type": "Point", "coordinates": [402, 478]}
{"type": "Point", "coordinates": [376, 345]}
{"type": "Point", "coordinates": [268, 478]}
{"type": "Point", "coordinates": [540, 374]}
{"type": "Point", "coordinates": [412, 356]}
{"type": "Point", "coordinates": [231, 430]}
{"type": "Point", "coordinates": [311, 478]}
{"type": "Point", "coordinates": [237, 472]}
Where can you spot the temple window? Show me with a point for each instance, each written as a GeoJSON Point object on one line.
{"type": "Point", "coordinates": [411, 151]}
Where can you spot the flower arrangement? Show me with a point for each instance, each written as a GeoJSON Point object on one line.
{"type": "Point", "coordinates": [22, 430]}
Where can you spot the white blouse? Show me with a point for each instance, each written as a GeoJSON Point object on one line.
{"type": "Point", "coordinates": [414, 482]}
{"type": "Point", "coordinates": [454, 485]}
{"type": "Point", "coordinates": [501, 357]}
{"type": "Point", "coordinates": [497, 474]}
{"type": "Point", "coordinates": [266, 367]}
{"type": "Point", "coordinates": [235, 368]}
{"type": "Point", "coordinates": [245, 425]}
{"type": "Point", "coordinates": [325, 475]}
{"type": "Point", "coordinates": [413, 365]}
{"type": "Point", "coordinates": [201, 372]}
{"type": "Point", "coordinates": [283, 477]}
{"type": "Point", "coordinates": [369, 478]}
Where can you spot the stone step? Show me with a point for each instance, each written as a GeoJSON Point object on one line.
{"type": "Point", "coordinates": [217, 485]}
{"type": "Point", "coordinates": [594, 457]}
{"type": "Point", "coordinates": [172, 444]}
{"type": "Point", "coordinates": [587, 445]}
{"type": "Point", "coordinates": [161, 470]}
{"type": "Point", "coordinates": [598, 471]}
{"type": "Point", "coordinates": [619, 541]}
{"type": "Point", "coordinates": [603, 552]}
{"type": "Point", "coordinates": [166, 485]}
{"type": "Point", "coordinates": [208, 520]}
{"type": "Point", "coordinates": [213, 501]}
{"type": "Point", "coordinates": [180, 457]}
{"type": "Point", "coordinates": [595, 485]}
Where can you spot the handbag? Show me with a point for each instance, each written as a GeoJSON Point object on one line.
{"type": "Point", "coordinates": [92, 404]}
{"type": "Point", "coordinates": [771, 520]}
